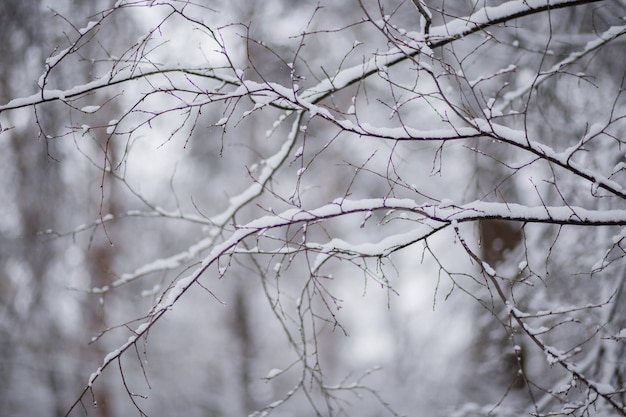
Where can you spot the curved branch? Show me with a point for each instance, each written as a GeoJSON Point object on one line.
{"type": "Point", "coordinates": [439, 37]}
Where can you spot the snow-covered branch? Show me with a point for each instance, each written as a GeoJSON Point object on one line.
{"type": "Point", "coordinates": [260, 155]}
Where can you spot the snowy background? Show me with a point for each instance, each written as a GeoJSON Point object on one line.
{"type": "Point", "coordinates": [351, 208]}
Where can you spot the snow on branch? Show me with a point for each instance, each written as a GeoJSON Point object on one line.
{"type": "Point", "coordinates": [219, 221]}
{"type": "Point", "coordinates": [520, 139]}
{"type": "Point", "coordinates": [438, 37]}
{"type": "Point", "coordinates": [228, 236]}
{"type": "Point", "coordinates": [603, 38]}
{"type": "Point", "coordinates": [108, 80]}
{"type": "Point", "coordinates": [434, 218]}
{"type": "Point", "coordinates": [490, 16]}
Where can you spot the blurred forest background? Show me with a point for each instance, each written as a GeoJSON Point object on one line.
{"type": "Point", "coordinates": [110, 197]}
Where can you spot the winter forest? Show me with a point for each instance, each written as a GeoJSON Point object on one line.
{"type": "Point", "coordinates": [313, 208]}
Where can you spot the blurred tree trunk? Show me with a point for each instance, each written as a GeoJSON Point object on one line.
{"type": "Point", "coordinates": [30, 182]}
{"type": "Point", "coordinates": [41, 366]}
